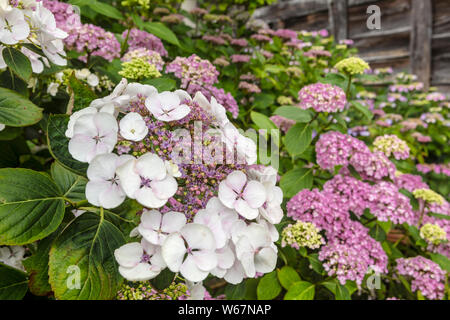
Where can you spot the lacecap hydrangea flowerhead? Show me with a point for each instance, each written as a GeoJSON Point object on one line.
{"type": "Point", "coordinates": [207, 208]}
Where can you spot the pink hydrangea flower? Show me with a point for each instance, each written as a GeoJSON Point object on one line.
{"type": "Point", "coordinates": [322, 98]}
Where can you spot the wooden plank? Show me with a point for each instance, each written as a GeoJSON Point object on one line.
{"type": "Point", "coordinates": [290, 9]}
{"type": "Point", "coordinates": [441, 36]}
{"type": "Point", "coordinates": [441, 17]}
{"type": "Point", "coordinates": [283, 10]}
{"type": "Point", "coordinates": [382, 33]}
{"type": "Point", "coordinates": [420, 41]}
{"type": "Point", "coordinates": [337, 13]}
{"type": "Point", "coordinates": [395, 15]}
{"type": "Point", "coordinates": [385, 58]}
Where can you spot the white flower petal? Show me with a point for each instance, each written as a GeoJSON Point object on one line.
{"type": "Point", "coordinates": [225, 257]}
{"type": "Point", "coordinates": [166, 188]}
{"type": "Point", "coordinates": [102, 167]}
{"type": "Point", "coordinates": [205, 260]}
{"type": "Point", "coordinates": [129, 179]}
{"type": "Point", "coordinates": [151, 219]}
{"type": "Point", "coordinates": [173, 251]}
{"type": "Point", "coordinates": [198, 236]}
{"type": "Point", "coordinates": [151, 167]}
{"type": "Point", "coordinates": [129, 255]}
{"type": "Point", "coordinates": [141, 272]}
{"type": "Point", "coordinates": [236, 180]}
{"type": "Point", "coordinates": [111, 197]}
{"type": "Point", "coordinates": [191, 272]}
{"type": "Point", "coordinates": [226, 195]}
{"type": "Point", "coordinates": [258, 235]}
{"type": "Point", "coordinates": [265, 260]}
{"type": "Point", "coordinates": [147, 198]}
{"type": "Point", "coordinates": [235, 274]}
{"type": "Point", "coordinates": [255, 194]}
{"type": "Point", "coordinates": [245, 210]}
{"type": "Point", "coordinates": [173, 221]}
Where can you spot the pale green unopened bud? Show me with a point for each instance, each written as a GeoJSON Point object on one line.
{"type": "Point", "coordinates": [428, 195]}
{"type": "Point", "coordinates": [138, 68]}
{"type": "Point", "coordinates": [433, 234]}
{"type": "Point", "coordinates": [352, 66]}
{"type": "Point", "coordinates": [302, 234]}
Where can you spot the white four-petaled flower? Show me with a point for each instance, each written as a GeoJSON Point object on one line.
{"type": "Point", "coordinates": [155, 227]}
{"type": "Point", "coordinates": [139, 261]}
{"type": "Point", "coordinates": [191, 251]}
{"type": "Point", "coordinates": [103, 188]}
{"type": "Point", "coordinates": [13, 26]}
{"type": "Point", "coordinates": [93, 134]}
{"type": "Point", "coordinates": [168, 106]}
{"type": "Point", "coordinates": [146, 180]}
{"type": "Point", "coordinates": [254, 249]}
{"type": "Point", "coordinates": [238, 193]}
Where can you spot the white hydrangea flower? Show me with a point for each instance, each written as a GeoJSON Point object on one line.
{"type": "Point", "coordinates": [2, 127]}
{"type": "Point", "coordinates": [191, 251]}
{"type": "Point", "coordinates": [172, 169]}
{"type": "Point", "coordinates": [134, 89]}
{"type": "Point", "coordinates": [133, 127]}
{"type": "Point", "coordinates": [196, 289]}
{"type": "Point", "coordinates": [49, 37]}
{"type": "Point", "coordinates": [255, 250]}
{"type": "Point", "coordinates": [103, 188]}
{"type": "Point", "coordinates": [243, 195]}
{"type": "Point", "coordinates": [271, 209]}
{"type": "Point", "coordinates": [139, 261]}
{"type": "Point", "coordinates": [13, 26]}
{"type": "Point", "coordinates": [214, 108]}
{"type": "Point", "coordinates": [93, 134]}
{"type": "Point", "coordinates": [155, 227]}
{"type": "Point", "coordinates": [113, 102]}
{"type": "Point", "coordinates": [244, 146]}
{"type": "Point", "coordinates": [167, 106]}
{"type": "Point", "coordinates": [121, 96]}
{"type": "Point", "coordinates": [263, 174]}
{"type": "Point", "coordinates": [82, 74]}
{"type": "Point", "coordinates": [146, 180]}
{"type": "Point", "coordinates": [218, 219]}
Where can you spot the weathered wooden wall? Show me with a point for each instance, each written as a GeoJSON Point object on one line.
{"type": "Point", "coordinates": [414, 34]}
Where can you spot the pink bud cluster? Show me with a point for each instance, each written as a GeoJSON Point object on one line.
{"type": "Point", "coordinates": [322, 98]}
{"type": "Point", "coordinates": [193, 70]}
{"type": "Point", "coordinates": [95, 41]}
{"type": "Point", "coordinates": [350, 251]}
{"type": "Point", "coordinates": [436, 168]}
{"type": "Point", "coordinates": [334, 149]}
{"type": "Point", "coordinates": [427, 277]}
{"type": "Point", "coordinates": [88, 38]}
{"type": "Point", "coordinates": [142, 39]}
